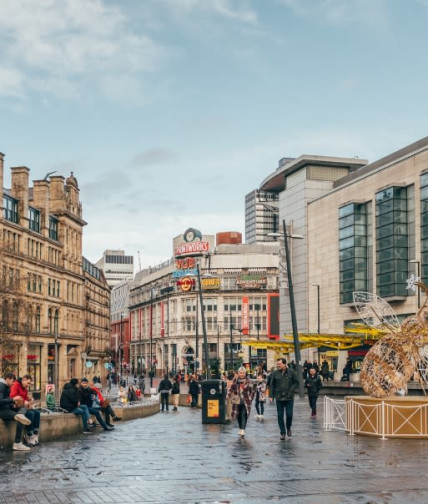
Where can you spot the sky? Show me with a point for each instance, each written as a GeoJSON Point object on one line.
{"type": "Point", "coordinates": [169, 112]}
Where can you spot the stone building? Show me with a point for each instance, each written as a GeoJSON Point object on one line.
{"type": "Point", "coordinates": [238, 284]}
{"type": "Point", "coordinates": [52, 309]}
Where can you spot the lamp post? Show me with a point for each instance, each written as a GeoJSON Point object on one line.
{"type": "Point", "coordinates": [56, 366]}
{"type": "Point", "coordinates": [120, 349]}
{"type": "Point", "coordinates": [231, 342]}
{"type": "Point", "coordinates": [318, 307]}
{"type": "Point", "coordinates": [418, 273]}
{"type": "Point", "coordinates": [292, 304]}
{"type": "Point", "coordinates": [204, 327]}
{"type": "Point", "coordinates": [196, 338]}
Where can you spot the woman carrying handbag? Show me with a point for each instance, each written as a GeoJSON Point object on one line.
{"type": "Point", "coordinates": [241, 394]}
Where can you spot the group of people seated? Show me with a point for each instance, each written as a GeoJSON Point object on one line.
{"type": "Point", "coordinates": [85, 400]}
{"type": "Point", "coordinates": [17, 404]}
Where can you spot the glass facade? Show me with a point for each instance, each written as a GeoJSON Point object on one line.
{"type": "Point", "coordinates": [353, 250]}
{"type": "Point", "coordinates": [424, 228]}
{"type": "Point", "coordinates": [392, 242]}
{"type": "Point", "coordinates": [261, 216]}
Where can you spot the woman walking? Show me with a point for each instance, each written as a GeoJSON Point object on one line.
{"type": "Point", "coordinates": [241, 394]}
{"type": "Point", "coordinates": [260, 396]}
{"type": "Point", "coordinates": [175, 393]}
{"type": "Point", "coordinates": [313, 384]}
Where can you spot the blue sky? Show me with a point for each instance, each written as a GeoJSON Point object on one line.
{"type": "Point", "coordinates": [170, 111]}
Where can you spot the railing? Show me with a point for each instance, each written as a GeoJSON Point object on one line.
{"type": "Point", "coordinates": [383, 418]}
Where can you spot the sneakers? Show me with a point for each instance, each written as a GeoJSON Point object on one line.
{"type": "Point", "coordinates": [108, 428]}
{"type": "Point", "coordinates": [20, 446]}
{"type": "Point", "coordinates": [242, 433]}
{"type": "Point", "coordinates": [117, 419]}
{"type": "Point", "coordinates": [111, 425]}
{"type": "Point", "coordinates": [282, 437]}
{"type": "Point", "coordinates": [86, 431]}
{"type": "Point", "coordinates": [19, 417]}
{"type": "Point", "coordinates": [30, 440]}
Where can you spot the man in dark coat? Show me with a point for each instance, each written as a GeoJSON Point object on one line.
{"type": "Point", "coordinates": [313, 384]}
{"type": "Point", "coordinates": [70, 401]}
{"type": "Point", "coordinates": [283, 386]}
{"type": "Point", "coordinates": [88, 399]}
{"type": "Point", "coordinates": [12, 409]}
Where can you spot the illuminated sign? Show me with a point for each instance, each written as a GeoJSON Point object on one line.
{"type": "Point", "coordinates": [186, 263]}
{"type": "Point", "coordinates": [193, 248]}
{"type": "Point", "coordinates": [251, 281]}
{"type": "Point", "coordinates": [210, 283]}
{"type": "Point", "coordinates": [244, 315]}
{"type": "Point", "coordinates": [186, 284]}
{"type": "Point", "coordinates": [183, 273]}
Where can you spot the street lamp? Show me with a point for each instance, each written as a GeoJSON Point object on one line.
{"type": "Point", "coordinates": [151, 337]}
{"type": "Point", "coordinates": [418, 273]}
{"type": "Point", "coordinates": [120, 349]}
{"type": "Point", "coordinates": [318, 305]}
{"type": "Point", "coordinates": [292, 306]}
{"type": "Point", "coordinates": [204, 327]}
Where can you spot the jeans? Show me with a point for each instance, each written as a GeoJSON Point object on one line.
{"type": "Point", "coordinates": [260, 407]}
{"type": "Point", "coordinates": [97, 415]}
{"type": "Point", "coordinates": [34, 416]}
{"type": "Point", "coordinates": [9, 414]}
{"type": "Point", "coordinates": [165, 400]}
{"type": "Point", "coordinates": [313, 403]}
{"type": "Point", "coordinates": [194, 402]}
{"type": "Point", "coordinates": [242, 416]}
{"type": "Point", "coordinates": [287, 407]}
{"type": "Point", "coordinates": [84, 413]}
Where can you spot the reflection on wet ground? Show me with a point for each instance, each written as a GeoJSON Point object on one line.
{"type": "Point", "coordinates": [174, 458]}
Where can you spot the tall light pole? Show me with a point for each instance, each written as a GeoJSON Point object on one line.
{"type": "Point", "coordinates": [204, 327]}
{"type": "Point", "coordinates": [318, 307]}
{"type": "Point", "coordinates": [293, 311]}
{"type": "Point", "coordinates": [196, 338]}
{"type": "Point", "coordinates": [418, 273]}
{"type": "Point", "coordinates": [231, 341]}
{"type": "Point", "coordinates": [120, 349]}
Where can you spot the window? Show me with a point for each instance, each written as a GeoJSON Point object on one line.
{"type": "Point", "coordinates": [353, 249]}
{"type": "Point", "coordinates": [53, 228]}
{"type": "Point", "coordinates": [34, 219]}
{"type": "Point", "coordinates": [392, 242]}
{"type": "Point", "coordinates": [10, 208]}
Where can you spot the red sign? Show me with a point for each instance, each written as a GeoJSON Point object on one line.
{"type": "Point", "coordinates": [244, 315]}
{"type": "Point", "coordinates": [186, 263]}
{"type": "Point", "coordinates": [186, 284]}
{"type": "Point", "coordinates": [192, 248]}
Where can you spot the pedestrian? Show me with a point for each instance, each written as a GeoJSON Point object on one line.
{"type": "Point", "coordinates": [325, 370]}
{"type": "Point", "coordinates": [283, 385]}
{"type": "Point", "coordinates": [241, 393]}
{"type": "Point", "coordinates": [164, 390]}
{"type": "Point", "coordinates": [122, 395]}
{"type": "Point", "coordinates": [70, 402]}
{"type": "Point", "coordinates": [132, 396]}
{"type": "Point", "coordinates": [20, 388]}
{"type": "Point", "coordinates": [87, 397]}
{"type": "Point", "coordinates": [175, 393]}
{"type": "Point", "coordinates": [142, 384]}
{"type": "Point", "coordinates": [13, 409]}
{"type": "Point", "coordinates": [260, 395]}
{"type": "Point", "coordinates": [305, 370]}
{"type": "Point", "coordinates": [193, 391]}
{"type": "Point", "coordinates": [313, 384]}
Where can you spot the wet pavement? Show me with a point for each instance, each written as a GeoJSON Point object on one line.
{"type": "Point", "coordinates": [174, 458]}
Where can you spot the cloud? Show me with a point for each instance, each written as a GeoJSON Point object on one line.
{"type": "Point", "coordinates": [65, 46]}
{"type": "Point", "coordinates": [224, 8]}
{"type": "Point", "coordinates": [153, 157]}
{"type": "Point", "coordinates": [338, 12]}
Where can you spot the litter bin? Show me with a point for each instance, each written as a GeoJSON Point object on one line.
{"type": "Point", "coordinates": [213, 401]}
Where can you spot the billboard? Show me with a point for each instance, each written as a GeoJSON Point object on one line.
{"type": "Point", "coordinates": [273, 316]}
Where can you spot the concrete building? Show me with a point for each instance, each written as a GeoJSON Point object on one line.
{"type": "Point", "coordinates": [298, 182]}
{"type": "Point", "coordinates": [52, 308]}
{"type": "Point", "coordinates": [261, 216]}
{"type": "Point", "coordinates": [116, 266]}
{"type": "Point", "coordinates": [240, 294]}
{"type": "Point", "coordinates": [370, 233]}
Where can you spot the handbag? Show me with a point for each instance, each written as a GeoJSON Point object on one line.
{"type": "Point", "coordinates": [235, 399]}
{"type": "Point", "coordinates": [188, 399]}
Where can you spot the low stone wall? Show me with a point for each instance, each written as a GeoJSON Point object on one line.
{"type": "Point", "coordinates": [59, 425]}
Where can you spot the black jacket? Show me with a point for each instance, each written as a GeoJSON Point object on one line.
{"type": "Point", "coordinates": [69, 397]}
{"type": "Point", "coordinates": [193, 388]}
{"type": "Point", "coordinates": [165, 385]}
{"type": "Point", "coordinates": [86, 396]}
{"type": "Point", "coordinates": [313, 384]}
{"type": "Point", "coordinates": [5, 401]}
{"type": "Point", "coordinates": [284, 385]}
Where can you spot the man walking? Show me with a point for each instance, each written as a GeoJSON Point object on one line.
{"type": "Point", "coordinates": [283, 385]}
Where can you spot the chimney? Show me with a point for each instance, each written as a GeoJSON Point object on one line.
{"type": "Point", "coordinates": [19, 190]}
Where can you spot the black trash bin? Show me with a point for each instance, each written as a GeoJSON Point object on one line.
{"type": "Point", "coordinates": [213, 401]}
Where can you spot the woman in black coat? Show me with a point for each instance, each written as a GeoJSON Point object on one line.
{"type": "Point", "coordinates": [313, 384]}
